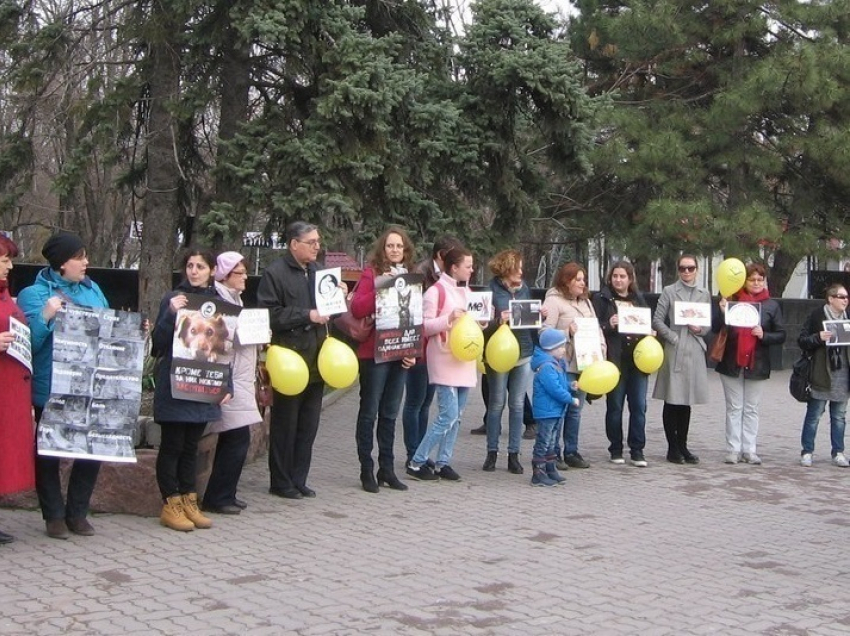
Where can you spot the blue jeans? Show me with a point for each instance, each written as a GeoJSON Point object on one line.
{"type": "Point", "coordinates": [510, 388]}
{"type": "Point", "coordinates": [632, 385]}
{"type": "Point", "coordinates": [546, 444]}
{"type": "Point", "coordinates": [572, 420]}
{"type": "Point", "coordinates": [837, 422]}
{"type": "Point", "coordinates": [443, 430]}
{"type": "Point", "coordinates": [381, 386]}
{"type": "Point", "coordinates": [419, 393]}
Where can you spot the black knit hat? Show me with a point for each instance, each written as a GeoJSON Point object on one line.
{"type": "Point", "coordinates": [61, 247]}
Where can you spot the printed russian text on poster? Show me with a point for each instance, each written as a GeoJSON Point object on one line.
{"type": "Point", "coordinates": [587, 343]}
{"type": "Point", "coordinates": [253, 327]}
{"type": "Point", "coordinates": [398, 317]}
{"type": "Point", "coordinates": [203, 349]}
{"type": "Point", "coordinates": [21, 348]}
{"type": "Point", "coordinates": [96, 385]}
{"type": "Point", "coordinates": [330, 299]}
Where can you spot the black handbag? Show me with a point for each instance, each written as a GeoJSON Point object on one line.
{"type": "Point", "coordinates": [800, 384]}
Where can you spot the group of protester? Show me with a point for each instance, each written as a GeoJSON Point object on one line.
{"type": "Point", "coordinates": [546, 361]}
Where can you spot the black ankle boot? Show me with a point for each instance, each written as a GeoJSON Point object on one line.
{"type": "Point", "coordinates": [513, 464]}
{"type": "Point", "coordinates": [368, 480]}
{"type": "Point", "coordinates": [490, 462]}
{"type": "Point", "coordinates": [388, 478]}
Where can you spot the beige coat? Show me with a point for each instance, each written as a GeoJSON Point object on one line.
{"type": "Point", "coordinates": [242, 409]}
{"type": "Point", "coordinates": [682, 379]}
{"type": "Point", "coordinates": [561, 312]}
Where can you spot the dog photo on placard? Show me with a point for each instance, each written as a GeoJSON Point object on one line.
{"type": "Point", "coordinates": [196, 337]}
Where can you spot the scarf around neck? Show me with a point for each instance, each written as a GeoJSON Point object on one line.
{"type": "Point", "coordinates": [747, 342]}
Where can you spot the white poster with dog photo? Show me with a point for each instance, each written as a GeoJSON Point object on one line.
{"type": "Point", "coordinates": [398, 317]}
{"type": "Point", "coordinates": [96, 385]}
{"type": "Point", "coordinates": [203, 349]}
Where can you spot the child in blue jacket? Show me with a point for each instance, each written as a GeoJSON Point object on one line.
{"type": "Point", "coordinates": [549, 402]}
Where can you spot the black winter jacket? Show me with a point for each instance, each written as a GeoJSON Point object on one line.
{"type": "Point", "coordinates": [287, 290]}
{"type": "Point", "coordinates": [774, 334]}
{"type": "Point", "coordinates": [618, 344]}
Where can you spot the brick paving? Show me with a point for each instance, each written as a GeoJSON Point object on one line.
{"type": "Point", "coordinates": [708, 549]}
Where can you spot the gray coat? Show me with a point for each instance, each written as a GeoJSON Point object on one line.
{"type": "Point", "coordinates": [242, 409]}
{"type": "Point", "coordinates": [683, 378]}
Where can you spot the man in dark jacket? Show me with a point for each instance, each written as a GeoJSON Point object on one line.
{"type": "Point", "coordinates": [287, 289]}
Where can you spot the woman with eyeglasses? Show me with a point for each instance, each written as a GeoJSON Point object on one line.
{"type": "Point", "coordinates": [746, 363]}
{"type": "Point", "coordinates": [682, 379]}
{"type": "Point", "coordinates": [237, 416]}
{"type": "Point", "coordinates": [830, 379]}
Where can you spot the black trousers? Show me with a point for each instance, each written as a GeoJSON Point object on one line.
{"type": "Point", "coordinates": [48, 485]}
{"type": "Point", "coordinates": [230, 453]}
{"type": "Point", "coordinates": [293, 425]}
{"type": "Point", "coordinates": [677, 424]}
{"type": "Point", "coordinates": [177, 462]}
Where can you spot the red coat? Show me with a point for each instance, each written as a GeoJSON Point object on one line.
{"type": "Point", "coordinates": [17, 442]}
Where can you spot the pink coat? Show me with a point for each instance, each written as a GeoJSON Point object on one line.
{"type": "Point", "coordinates": [443, 367]}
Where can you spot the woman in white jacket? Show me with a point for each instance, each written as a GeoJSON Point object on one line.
{"type": "Point", "coordinates": [234, 433]}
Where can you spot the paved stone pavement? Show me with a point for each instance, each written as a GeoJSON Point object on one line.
{"type": "Point", "coordinates": [708, 549]}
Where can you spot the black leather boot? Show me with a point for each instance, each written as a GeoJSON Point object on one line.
{"type": "Point", "coordinates": [513, 464]}
{"type": "Point", "coordinates": [490, 462]}
{"type": "Point", "coordinates": [367, 478]}
{"type": "Point", "coordinates": [387, 477]}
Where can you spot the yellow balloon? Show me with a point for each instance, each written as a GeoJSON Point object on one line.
{"type": "Point", "coordinates": [731, 275]}
{"type": "Point", "coordinates": [287, 370]}
{"type": "Point", "coordinates": [337, 363]}
{"type": "Point", "coordinates": [599, 378]}
{"type": "Point", "coordinates": [466, 340]}
{"type": "Point", "coordinates": [648, 355]}
{"type": "Point", "coordinates": [502, 350]}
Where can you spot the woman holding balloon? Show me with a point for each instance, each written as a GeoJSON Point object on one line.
{"type": "Point", "coordinates": [381, 385]}
{"type": "Point", "coordinates": [451, 363]}
{"type": "Point", "coordinates": [746, 363]}
{"type": "Point", "coordinates": [507, 386]}
{"type": "Point", "coordinates": [565, 302]}
{"type": "Point", "coordinates": [621, 291]}
{"type": "Point", "coordinates": [683, 379]}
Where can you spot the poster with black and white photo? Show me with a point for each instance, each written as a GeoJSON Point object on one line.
{"type": "Point", "coordinates": [96, 385]}
{"type": "Point", "coordinates": [525, 314]}
{"type": "Point", "coordinates": [330, 299]}
{"type": "Point", "coordinates": [203, 349]}
{"type": "Point", "coordinates": [21, 347]}
{"type": "Point", "coordinates": [398, 317]}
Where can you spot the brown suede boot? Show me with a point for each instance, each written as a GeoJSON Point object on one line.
{"type": "Point", "coordinates": [173, 517]}
{"type": "Point", "coordinates": [191, 510]}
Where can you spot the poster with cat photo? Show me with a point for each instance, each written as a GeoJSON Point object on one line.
{"type": "Point", "coordinates": [398, 317]}
{"type": "Point", "coordinates": [203, 349]}
{"type": "Point", "coordinates": [96, 385]}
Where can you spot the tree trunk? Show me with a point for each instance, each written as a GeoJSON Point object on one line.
{"type": "Point", "coordinates": [160, 211]}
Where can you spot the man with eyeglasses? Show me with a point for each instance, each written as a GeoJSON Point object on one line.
{"type": "Point", "coordinates": [287, 289]}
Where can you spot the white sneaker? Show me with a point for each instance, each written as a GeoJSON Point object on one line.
{"type": "Point", "coordinates": [617, 459]}
{"type": "Point", "coordinates": [806, 460]}
{"type": "Point", "coordinates": [840, 460]}
{"type": "Point", "coordinates": [732, 458]}
{"type": "Point", "coordinates": [752, 458]}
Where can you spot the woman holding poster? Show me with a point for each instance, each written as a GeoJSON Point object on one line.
{"type": "Point", "coordinates": [746, 361]}
{"type": "Point", "coordinates": [682, 379]}
{"type": "Point", "coordinates": [17, 463]}
{"type": "Point", "coordinates": [567, 305]}
{"type": "Point", "coordinates": [182, 421]}
{"type": "Point", "coordinates": [63, 282]}
{"type": "Point", "coordinates": [620, 293]}
{"type": "Point", "coordinates": [237, 416]}
{"type": "Point", "coordinates": [381, 385]}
